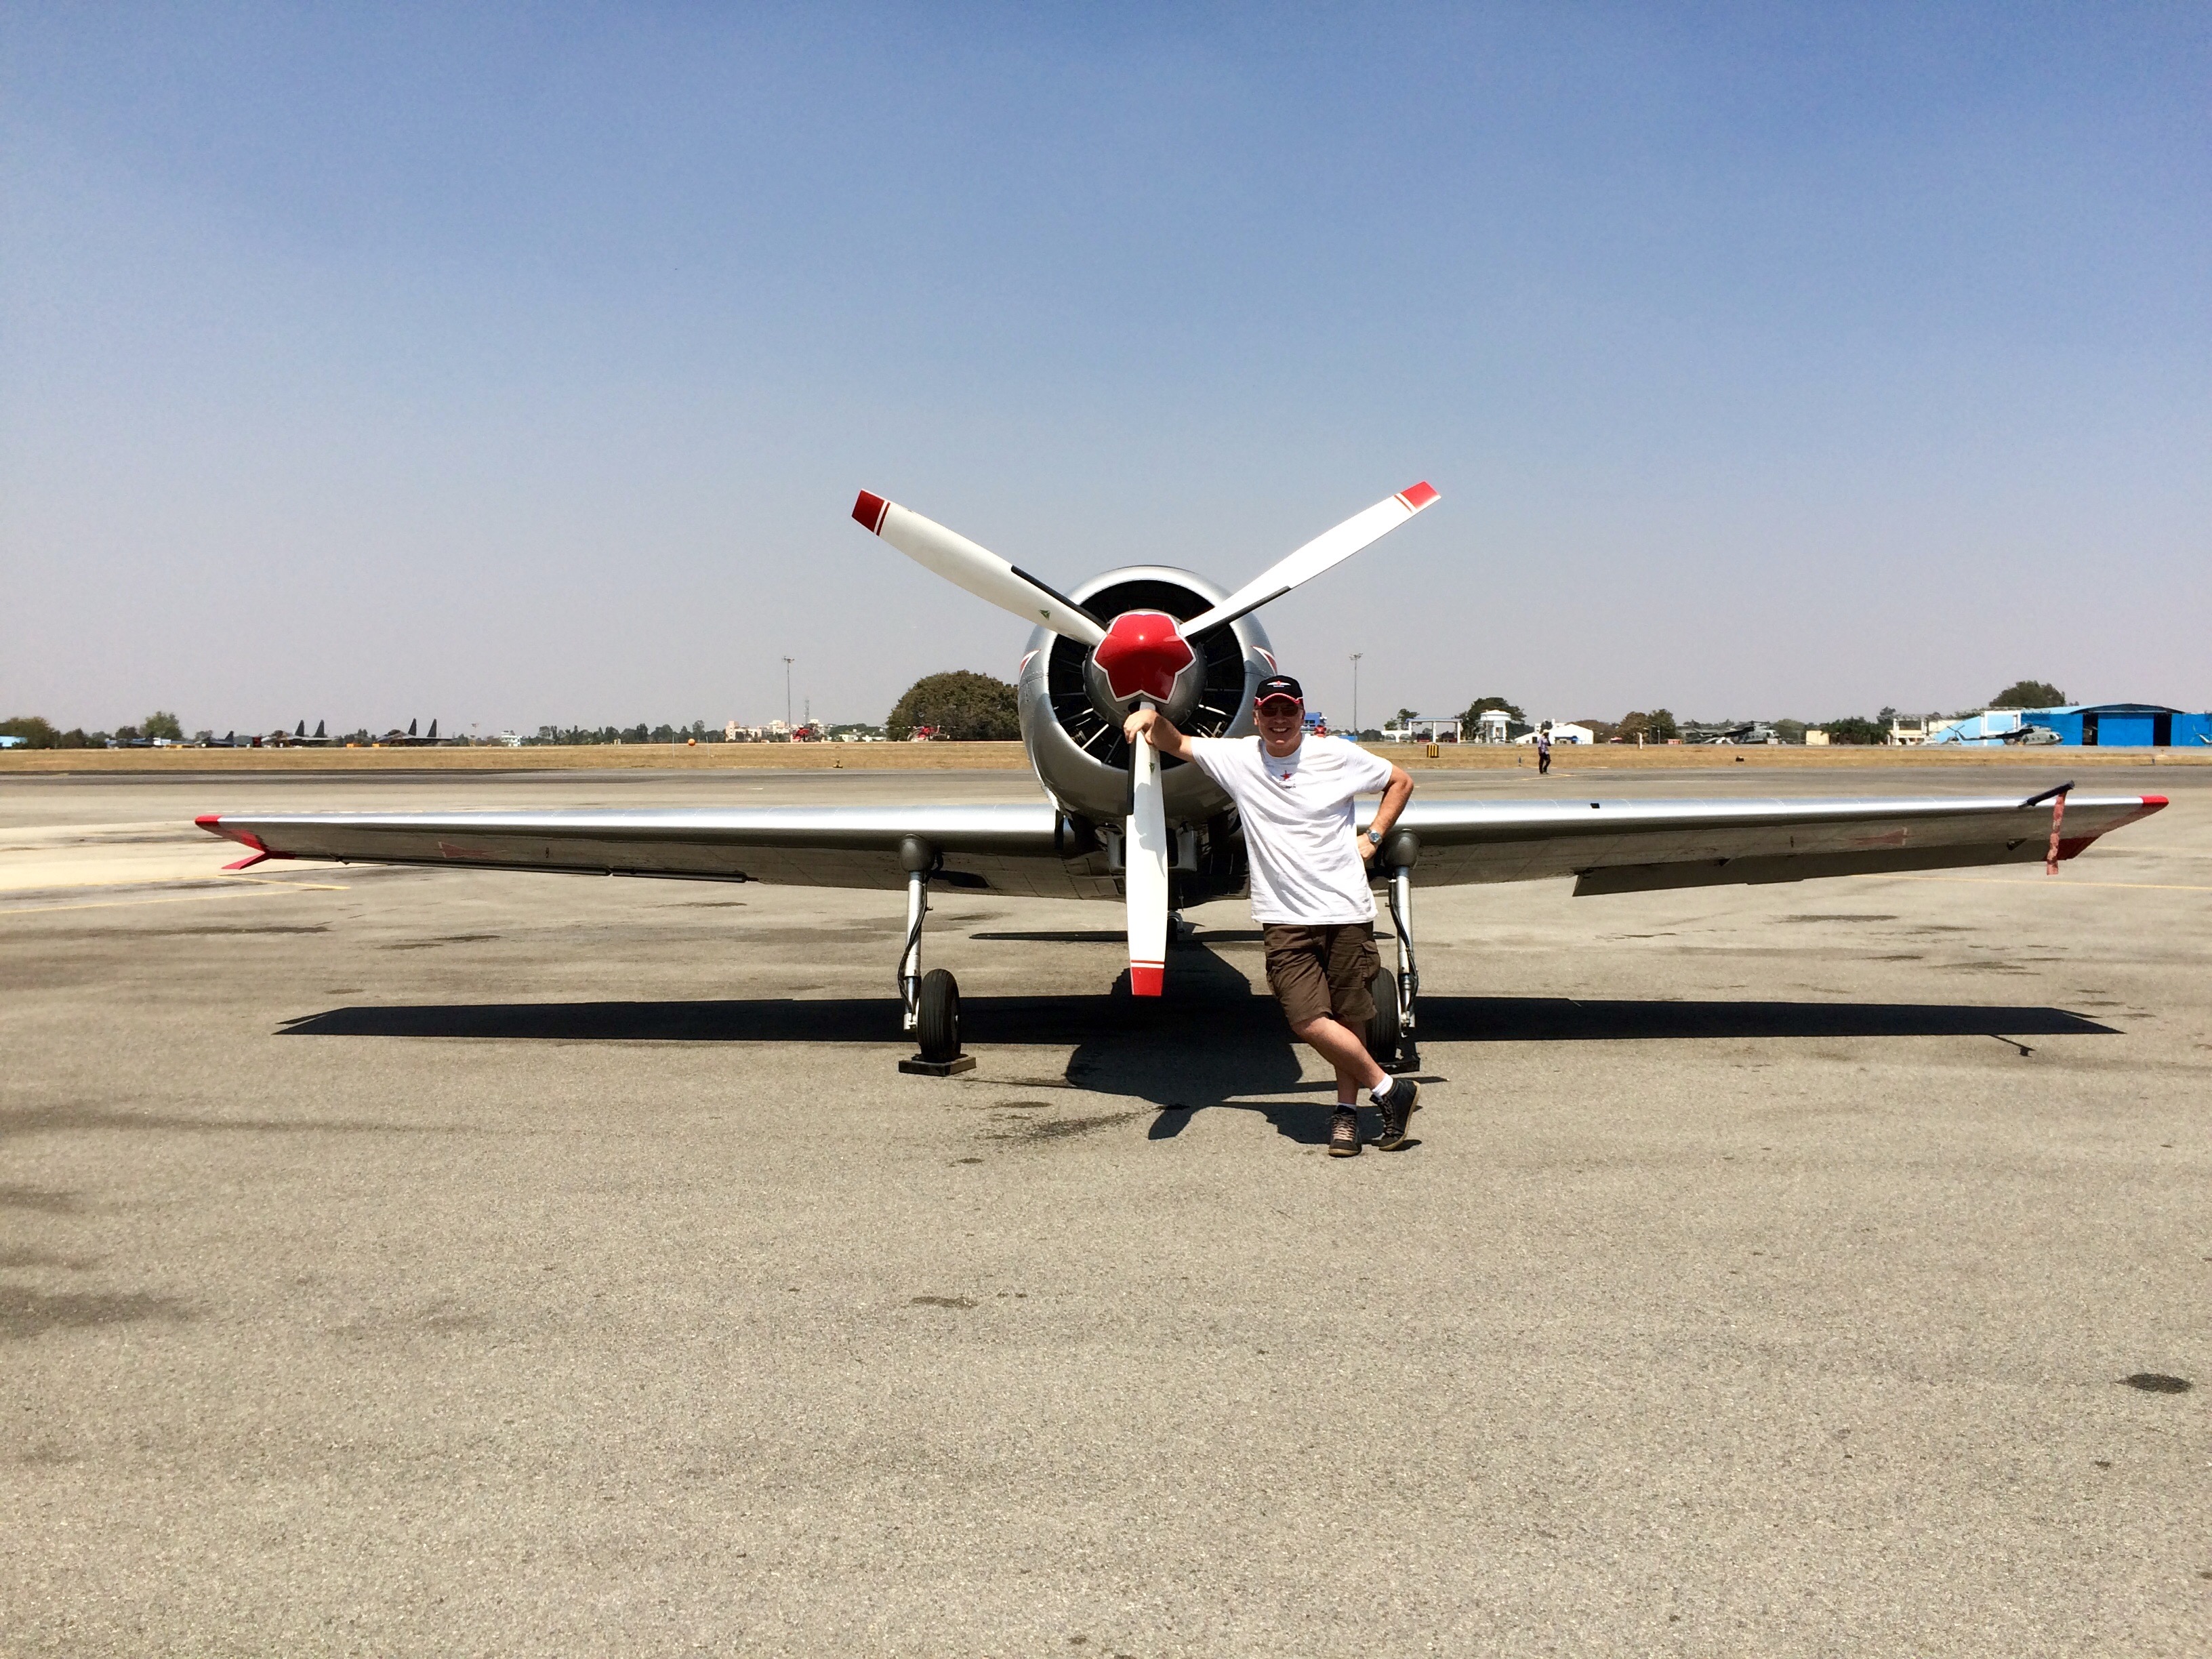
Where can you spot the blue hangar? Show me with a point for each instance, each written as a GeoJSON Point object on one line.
{"type": "Point", "coordinates": [2123, 725]}
{"type": "Point", "coordinates": [2085, 724]}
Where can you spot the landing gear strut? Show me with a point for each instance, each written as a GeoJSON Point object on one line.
{"type": "Point", "coordinates": [930, 1002]}
{"type": "Point", "coordinates": [1390, 1037]}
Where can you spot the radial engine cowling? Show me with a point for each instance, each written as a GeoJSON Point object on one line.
{"type": "Point", "coordinates": [1071, 721]}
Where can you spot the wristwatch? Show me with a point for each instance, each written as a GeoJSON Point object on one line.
{"type": "Point", "coordinates": [1374, 837]}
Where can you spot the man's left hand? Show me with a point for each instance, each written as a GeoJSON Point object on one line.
{"type": "Point", "coordinates": [1368, 849]}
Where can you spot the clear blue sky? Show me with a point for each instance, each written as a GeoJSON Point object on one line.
{"type": "Point", "coordinates": [512, 364]}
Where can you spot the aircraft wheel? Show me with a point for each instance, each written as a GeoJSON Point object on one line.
{"type": "Point", "coordinates": [937, 1020]}
{"type": "Point", "coordinates": [1383, 1025]}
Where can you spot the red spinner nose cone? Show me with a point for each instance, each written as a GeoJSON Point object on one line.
{"type": "Point", "coordinates": [1142, 654]}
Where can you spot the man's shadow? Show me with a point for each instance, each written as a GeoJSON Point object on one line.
{"type": "Point", "coordinates": [1214, 1041]}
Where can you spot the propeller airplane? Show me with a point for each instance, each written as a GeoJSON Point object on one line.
{"type": "Point", "coordinates": [1115, 823]}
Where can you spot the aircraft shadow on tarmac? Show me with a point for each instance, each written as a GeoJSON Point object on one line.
{"type": "Point", "coordinates": [1213, 1043]}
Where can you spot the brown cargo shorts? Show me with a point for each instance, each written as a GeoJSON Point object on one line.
{"type": "Point", "coordinates": [1323, 970]}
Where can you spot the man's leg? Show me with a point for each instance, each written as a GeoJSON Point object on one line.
{"type": "Point", "coordinates": [1297, 972]}
{"type": "Point", "coordinates": [1353, 968]}
{"type": "Point", "coordinates": [1335, 1043]}
{"type": "Point", "coordinates": [1355, 1069]}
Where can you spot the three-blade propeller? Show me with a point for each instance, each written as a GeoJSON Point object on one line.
{"type": "Point", "coordinates": [1141, 652]}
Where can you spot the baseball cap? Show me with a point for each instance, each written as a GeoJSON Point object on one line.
{"type": "Point", "coordinates": [1277, 685]}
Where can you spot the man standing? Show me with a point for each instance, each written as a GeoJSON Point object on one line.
{"type": "Point", "coordinates": [1309, 877]}
{"type": "Point", "coordinates": [1544, 750]}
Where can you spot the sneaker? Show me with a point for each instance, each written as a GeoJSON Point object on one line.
{"type": "Point", "coordinates": [1398, 1108]}
{"type": "Point", "coordinates": [1344, 1132]}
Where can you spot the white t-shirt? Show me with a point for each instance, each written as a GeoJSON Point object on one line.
{"type": "Point", "coordinates": [1306, 867]}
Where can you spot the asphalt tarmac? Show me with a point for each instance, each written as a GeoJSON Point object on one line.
{"type": "Point", "coordinates": [464, 1262]}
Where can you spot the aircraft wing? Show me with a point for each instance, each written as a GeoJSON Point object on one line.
{"type": "Point", "coordinates": [1634, 846]}
{"type": "Point", "coordinates": [1024, 848]}
{"type": "Point", "coordinates": [1030, 849]}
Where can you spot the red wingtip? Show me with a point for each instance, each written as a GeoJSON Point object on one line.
{"type": "Point", "coordinates": [212, 823]}
{"type": "Point", "coordinates": [2152, 803]}
{"type": "Point", "coordinates": [1145, 978]}
{"type": "Point", "coordinates": [868, 511]}
{"type": "Point", "coordinates": [1417, 497]}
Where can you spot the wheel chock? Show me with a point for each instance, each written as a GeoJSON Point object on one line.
{"type": "Point", "coordinates": [915, 1066]}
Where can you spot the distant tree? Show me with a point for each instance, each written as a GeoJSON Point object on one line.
{"type": "Point", "coordinates": [127, 734]}
{"type": "Point", "coordinates": [1790, 731]}
{"type": "Point", "coordinates": [162, 724]}
{"type": "Point", "coordinates": [965, 707]}
{"type": "Point", "coordinates": [35, 730]}
{"type": "Point", "coordinates": [1599, 731]}
{"type": "Point", "coordinates": [1857, 730]}
{"type": "Point", "coordinates": [1660, 726]}
{"type": "Point", "coordinates": [2029, 694]}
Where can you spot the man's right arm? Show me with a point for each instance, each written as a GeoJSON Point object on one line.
{"type": "Point", "coordinates": [1153, 725]}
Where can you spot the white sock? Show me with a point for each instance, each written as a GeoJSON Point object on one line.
{"type": "Point", "coordinates": [1381, 1090]}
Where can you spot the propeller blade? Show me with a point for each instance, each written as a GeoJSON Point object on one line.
{"type": "Point", "coordinates": [1144, 873]}
{"type": "Point", "coordinates": [1330, 548]}
{"type": "Point", "coordinates": [978, 569]}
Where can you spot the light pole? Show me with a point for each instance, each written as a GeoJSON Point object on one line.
{"type": "Point", "coordinates": [1355, 695]}
{"type": "Point", "coordinates": [786, 694]}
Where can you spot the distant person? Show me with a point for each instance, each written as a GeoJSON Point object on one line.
{"type": "Point", "coordinates": [1544, 752]}
{"type": "Point", "coordinates": [1310, 891]}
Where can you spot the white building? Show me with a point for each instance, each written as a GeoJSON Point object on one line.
{"type": "Point", "coordinates": [1562, 732]}
{"type": "Point", "coordinates": [1424, 728]}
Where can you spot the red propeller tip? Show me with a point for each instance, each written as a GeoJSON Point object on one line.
{"type": "Point", "coordinates": [1417, 497]}
{"type": "Point", "coordinates": [868, 511]}
{"type": "Point", "coordinates": [1145, 978]}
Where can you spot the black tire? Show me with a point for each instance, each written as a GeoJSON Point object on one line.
{"type": "Point", "coordinates": [937, 1021]}
{"type": "Point", "coordinates": [1382, 1023]}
